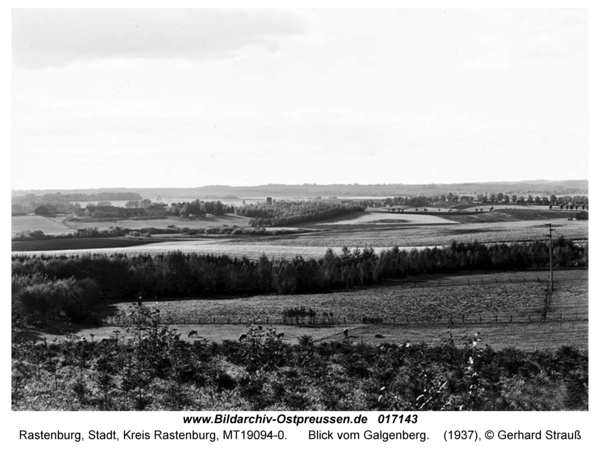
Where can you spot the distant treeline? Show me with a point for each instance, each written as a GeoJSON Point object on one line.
{"type": "Point", "coordinates": [450, 199]}
{"type": "Point", "coordinates": [23, 208]}
{"type": "Point", "coordinates": [176, 274]}
{"type": "Point", "coordinates": [77, 197]}
{"type": "Point", "coordinates": [283, 213]}
{"type": "Point", "coordinates": [199, 208]}
{"type": "Point", "coordinates": [65, 202]}
{"type": "Point", "coordinates": [561, 187]}
{"type": "Point", "coordinates": [558, 187]}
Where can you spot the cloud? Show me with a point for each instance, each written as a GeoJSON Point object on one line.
{"type": "Point", "coordinates": [514, 36]}
{"type": "Point", "coordinates": [56, 37]}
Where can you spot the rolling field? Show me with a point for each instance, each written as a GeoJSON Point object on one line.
{"type": "Point", "coordinates": [425, 305]}
{"type": "Point", "coordinates": [386, 218]}
{"type": "Point", "coordinates": [404, 303]}
{"type": "Point", "coordinates": [74, 244]}
{"type": "Point", "coordinates": [232, 248]}
{"type": "Point", "coordinates": [505, 307]}
{"type": "Point", "coordinates": [527, 337]}
{"type": "Point", "coordinates": [50, 226]}
{"type": "Point", "coordinates": [314, 244]}
{"type": "Point", "coordinates": [512, 215]}
{"type": "Point", "coordinates": [434, 235]}
{"type": "Point", "coordinates": [524, 336]}
{"type": "Point", "coordinates": [513, 207]}
{"type": "Point", "coordinates": [65, 224]}
{"type": "Point", "coordinates": [480, 298]}
{"type": "Point", "coordinates": [163, 223]}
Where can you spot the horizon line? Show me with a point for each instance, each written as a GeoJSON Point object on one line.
{"type": "Point", "coordinates": [306, 184]}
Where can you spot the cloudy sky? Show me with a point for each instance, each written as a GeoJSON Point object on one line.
{"type": "Point", "coordinates": [182, 98]}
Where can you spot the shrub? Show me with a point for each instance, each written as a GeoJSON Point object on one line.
{"type": "Point", "coordinates": [38, 298]}
{"type": "Point", "coordinates": [46, 299]}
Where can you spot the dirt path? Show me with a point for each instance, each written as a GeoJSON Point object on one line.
{"type": "Point", "coordinates": [63, 221]}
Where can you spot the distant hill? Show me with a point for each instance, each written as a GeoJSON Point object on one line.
{"type": "Point", "coordinates": [546, 187]}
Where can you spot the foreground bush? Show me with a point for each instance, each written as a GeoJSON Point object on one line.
{"type": "Point", "coordinates": [37, 298]}
{"type": "Point", "coordinates": [155, 370]}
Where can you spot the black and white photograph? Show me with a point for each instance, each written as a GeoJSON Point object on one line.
{"type": "Point", "coordinates": [272, 210]}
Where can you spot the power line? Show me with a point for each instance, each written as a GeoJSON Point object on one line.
{"type": "Point", "coordinates": [550, 229]}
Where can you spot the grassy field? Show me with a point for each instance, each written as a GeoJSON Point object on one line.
{"type": "Point", "coordinates": [66, 223]}
{"type": "Point", "coordinates": [532, 336]}
{"type": "Point", "coordinates": [511, 215]}
{"type": "Point", "coordinates": [402, 303]}
{"type": "Point", "coordinates": [504, 307]}
{"type": "Point", "coordinates": [527, 337]}
{"type": "Point", "coordinates": [375, 217]}
{"type": "Point", "coordinates": [376, 229]}
{"type": "Point", "coordinates": [50, 226]}
{"type": "Point", "coordinates": [74, 244]}
{"type": "Point", "coordinates": [231, 247]}
{"type": "Point", "coordinates": [516, 294]}
{"type": "Point", "coordinates": [413, 311]}
{"type": "Point", "coordinates": [479, 297]}
{"type": "Point", "coordinates": [434, 235]}
{"type": "Point", "coordinates": [314, 244]}
{"type": "Point", "coordinates": [163, 223]}
{"type": "Point", "coordinates": [513, 207]}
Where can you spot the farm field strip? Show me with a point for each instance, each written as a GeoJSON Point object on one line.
{"type": "Point", "coordinates": [63, 223]}
{"type": "Point", "coordinates": [315, 244]}
{"type": "Point", "coordinates": [378, 217]}
{"type": "Point", "coordinates": [517, 298]}
{"type": "Point", "coordinates": [218, 247]}
{"type": "Point", "coordinates": [436, 235]}
{"type": "Point", "coordinates": [522, 301]}
{"type": "Point", "coordinates": [71, 244]}
{"type": "Point", "coordinates": [208, 332]}
{"type": "Point", "coordinates": [46, 225]}
{"type": "Point", "coordinates": [163, 223]}
{"type": "Point", "coordinates": [501, 207]}
{"type": "Point", "coordinates": [523, 336]}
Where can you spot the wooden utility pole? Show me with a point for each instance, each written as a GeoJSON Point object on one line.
{"type": "Point", "coordinates": [550, 229]}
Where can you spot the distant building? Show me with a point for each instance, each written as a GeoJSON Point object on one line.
{"type": "Point", "coordinates": [145, 203]}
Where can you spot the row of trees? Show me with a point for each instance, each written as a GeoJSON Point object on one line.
{"type": "Point", "coordinates": [199, 208]}
{"type": "Point", "coordinates": [531, 199]}
{"type": "Point", "coordinates": [116, 231]}
{"type": "Point", "coordinates": [427, 201]}
{"type": "Point", "coordinates": [24, 208]}
{"type": "Point", "coordinates": [177, 274]}
{"type": "Point", "coordinates": [283, 213]}
{"type": "Point", "coordinates": [66, 202]}
{"type": "Point", "coordinates": [77, 197]}
{"type": "Point", "coordinates": [493, 198]}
